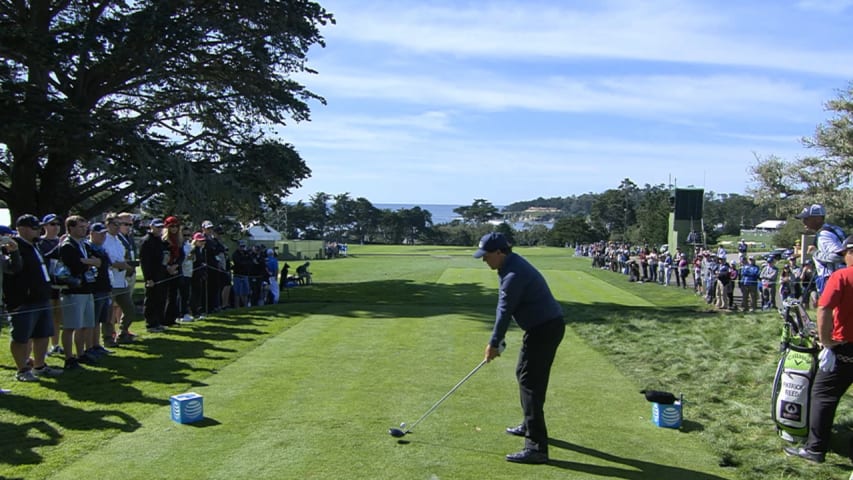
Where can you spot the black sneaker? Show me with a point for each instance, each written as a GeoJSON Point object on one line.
{"type": "Point", "coordinates": [528, 456]}
{"type": "Point", "coordinates": [518, 431]}
{"type": "Point", "coordinates": [88, 359]}
{"type": "Point", "coordinates": [72, 364]}
{"type": "Point", "coordinates": [805, 453]}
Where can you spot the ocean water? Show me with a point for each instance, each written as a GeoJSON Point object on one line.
{"type": "Point", "coordinates": [440, 213]}
{"type": "Point", "coordinates": [444, 213]}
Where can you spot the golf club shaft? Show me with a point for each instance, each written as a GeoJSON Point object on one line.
{"type": "Point", "coordinates": [409, 429]}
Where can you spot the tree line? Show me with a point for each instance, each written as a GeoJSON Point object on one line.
{"type": "Point", "coordinates": [626, 213]}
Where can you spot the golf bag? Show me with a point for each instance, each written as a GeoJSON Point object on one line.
{"type": "Point", "coordinates": [792, 385]}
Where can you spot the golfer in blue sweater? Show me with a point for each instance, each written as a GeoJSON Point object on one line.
{"type": "Point", "coordinates": [525, 297]}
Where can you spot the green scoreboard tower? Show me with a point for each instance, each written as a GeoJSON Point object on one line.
{"type": "Point", "coordinates": [685, 219]}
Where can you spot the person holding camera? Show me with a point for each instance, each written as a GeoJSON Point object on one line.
{"type": "Point", "coordinates": [10, 260]}
{"type": "Point", "coordinates": [78, 303]}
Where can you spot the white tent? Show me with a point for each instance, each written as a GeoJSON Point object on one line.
{"type": "Point", "coordinates": [770, 225]}
{"type": "Point", "coordinates": [263, 233]}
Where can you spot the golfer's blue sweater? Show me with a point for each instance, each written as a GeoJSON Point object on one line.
{"type": "Point", "coordinates": [524, 296]}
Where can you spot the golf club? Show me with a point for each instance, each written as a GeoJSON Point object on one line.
{"type": "Point", "coordinates": [400, 432]}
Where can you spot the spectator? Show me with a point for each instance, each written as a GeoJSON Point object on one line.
{"type": "Point", "coordinates": [827, 243]}
{"type": "Point", "coordinates": [722, 284]}
{"type": "Point", "coordinates": [78, 303]}
{"type": "Point", "coordinates": [742, 247]}
{"type": "Point", "coordinates": [698, 287]}
{"type": "Point", "coordinates": [153, 256]}
{"type": "Point", "coordinates": [683, 270]}
{"type": "Point", "coordinates": [785, 283]}
{"type": "Point", "coordinates": [126, 315]}
{"type": "Point", "coordinates": [201, 301]}
{"type": "Point", "coordinates": [284, 278]}
{"type": "Point", "coordinates": [730, 287]}
{"type": "Point", "coordinates": [185, 290]}
{"type": "Point", "coordinates": [750, 276]}
{"type": "Point", "coordinates": [768, 275]}
{"type": "Point", "coordinates": [216, 261]}
{"type": "Point", "coordinates": [101, 293]}
{"type": "Point", "coordinates": [10, 261]}
{"type": "Point", "coordinates": [242, 260]}
{"type": "Point", "coordinates": [711, 266]}
{"type": "Point", "coordinates": [272, 275]}
{"type": "Point", "coordinates": [303, 274]}
{"type": "Point", "coordinates": [653, 266]}
{"type": "Point", "coordinates": [120, 273]}
{"type": "Point", "coordinates": [27, 294]}
{"type": "Point", "coordinates": [175, 248]}
{"type": "Point", "coordinates": [257, 275]}
{"type": "Point", "coordinates": [48, 245]}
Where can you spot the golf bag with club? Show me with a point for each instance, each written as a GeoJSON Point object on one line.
{"type": "Point", "coordinates": [795, 373]}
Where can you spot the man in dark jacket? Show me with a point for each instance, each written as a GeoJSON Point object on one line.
{"type": "Point", "coordinates": [27, 294]}
{"type": "Point", "coordinates": [525, 297]}
{"type": "Point", "coordinates": [153, 257]}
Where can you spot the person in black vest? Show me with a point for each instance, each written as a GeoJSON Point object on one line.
{"type": "Point", "coordinates": [153, 256]}
{"type": "Point", "coordinates": [27, 298]}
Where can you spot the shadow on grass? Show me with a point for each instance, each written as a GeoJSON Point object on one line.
{"type": "Point", "coordinates": [634, 469]}
{"type": "Point", "coordinates": [70, 418]}
{"type": "Point", "coordinates": [29, 437]}
{"type": "Point", "coordinates": [204, 423]}
{"type": "Point", "coordinates": [382, 299]}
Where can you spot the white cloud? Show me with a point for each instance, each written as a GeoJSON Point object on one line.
{"type": "Point", "coordinates": [443, 102]}
{"type": "Point", "coordinates": [828, 6]}
{"type": "Point", "coordinates": [662, 31]}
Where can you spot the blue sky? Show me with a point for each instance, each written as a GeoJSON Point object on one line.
{"type": "Point", "coordinates": [433, 102]}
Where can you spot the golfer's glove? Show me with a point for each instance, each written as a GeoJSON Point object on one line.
{"type": "Point", "coordinates": [827, 360]}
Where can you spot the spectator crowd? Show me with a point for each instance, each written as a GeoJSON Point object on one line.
{"type": "Point", "coordinates": [69, 295]}
{"type": "Point", "coordinates": [762, 282]}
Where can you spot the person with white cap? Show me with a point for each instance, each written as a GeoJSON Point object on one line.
{"type": "Point", "coordinates": [525, 297]}
{"type": "Point", "coordinates": [827, 243]}
{"type": "Point", "coordinates": [835, 374]}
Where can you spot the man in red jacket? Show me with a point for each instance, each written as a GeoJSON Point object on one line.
{"type": "Point", "coordinates": [835, 332]}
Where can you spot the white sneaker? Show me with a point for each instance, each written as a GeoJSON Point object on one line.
{"type": "Point", "coordinates": [187, 318]}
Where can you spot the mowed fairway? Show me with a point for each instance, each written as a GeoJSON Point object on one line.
{"type": "Point", "coordinates": [376, 342]}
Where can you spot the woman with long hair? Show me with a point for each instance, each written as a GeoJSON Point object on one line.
{"type": "Point", "coordinates": [173, 237]}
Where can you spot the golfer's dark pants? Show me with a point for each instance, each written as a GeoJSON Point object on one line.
{"type": "Point", "coordinates": [534, 368]}
{"type": "Point", "coordinates": [828, 389]}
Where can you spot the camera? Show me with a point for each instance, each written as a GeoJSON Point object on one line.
{"type": "Point", "coordinates": [5, 241]}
